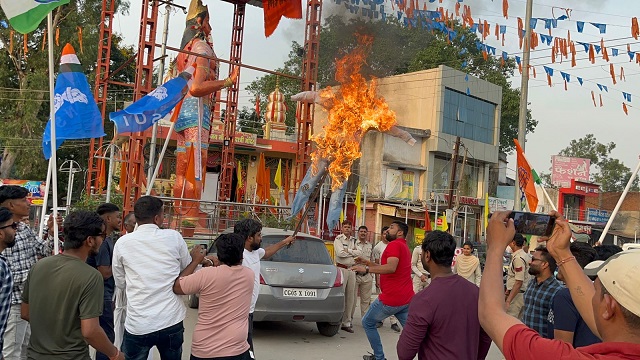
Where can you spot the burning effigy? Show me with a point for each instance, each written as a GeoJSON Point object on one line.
{"type": "Point", "coordinates": [353, 109]}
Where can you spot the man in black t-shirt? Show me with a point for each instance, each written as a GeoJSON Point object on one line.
{"type": "Point", "coordinates": [112, 217]}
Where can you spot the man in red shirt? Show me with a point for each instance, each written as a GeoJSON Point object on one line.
{"type": "Point", "coordinates": [609, 306]}
{"type": "Point", "coordinates": [395, 286]}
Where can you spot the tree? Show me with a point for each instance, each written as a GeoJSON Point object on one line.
{"type": "Point", "coordinates": [24, 88]}
{"type": "Point", "coordinates": [250, 122]}
{"type": "Point", "coordinates": [610, 173]}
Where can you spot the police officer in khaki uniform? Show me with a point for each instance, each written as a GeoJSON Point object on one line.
{"type": "Point", "coordinates": [517, 277]}
{"type": "Point", "coordinates": [346, 251]}
{"type": "Point", "coordinates": [421, 277]}
{"type": "Point", "coordinates": [364, 282]}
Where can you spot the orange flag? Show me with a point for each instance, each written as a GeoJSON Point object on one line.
{"type": "Point", "coordinates": [622, 76]}
{"type": "Point", "coordinates": [123, 175]}
{"type": "Point", "coordinates": [613, 73]}
{"type": "Point", "coordinates": [601, 104]}
{"type": "Point", "coordinates": [592, 54]}
{"type": "Point", "coordinates": [520, 28]}
{"type": "Point", "coordinates": [102, 175]}
{"type": "Point", "coordinates": [457, 8]}
{"type": "Point", "coordinates": [635, 31]}
{"type": "Point", "coordinates": [624, 108]}
{"type": "Point", "coordinates": [505, 9]}
{"type": "Point", "coordinates": [525, 179]}
{"type": "Point", "coordinates": [274, 10]}
{"type": "Point", "coordinates": [190, 175]}
{"type": "Point", "coordinates": [593, 97]}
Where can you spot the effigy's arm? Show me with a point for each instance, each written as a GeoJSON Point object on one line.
{"type": "Point", "coordinates": [402, 134]}
{"type": "Point", "coordinates": [203, 87]}
{"type": "Point", "coordinates": [313, 97]}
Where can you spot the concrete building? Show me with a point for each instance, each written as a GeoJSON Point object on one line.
{"type": "Point", "coordinates": [400, 180]}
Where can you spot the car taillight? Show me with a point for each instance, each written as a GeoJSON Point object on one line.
{"type": "Point", "coordinates": [262, 282]}
{"type": "Point", "coordinates": [338, 281]}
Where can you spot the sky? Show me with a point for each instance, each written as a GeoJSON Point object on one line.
{"type": "Point", "coordinates": [562, 115]}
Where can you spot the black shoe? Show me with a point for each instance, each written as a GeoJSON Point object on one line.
{"type": "Point", "coordinates": [395, 327]}
{"type": "Point", "coordinates": [379, 324]}
{"type": "Point", "coordinates": [370, 356]}
{"type": "Point", "coordinates": [347, 329]}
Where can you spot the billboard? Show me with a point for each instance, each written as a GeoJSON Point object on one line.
{"type": "Point", "coordinates": [597, 215]}
{"type": "Point", "coordinates": [36, 189]}
{"type": "Point", "coordinates": [563, 169]}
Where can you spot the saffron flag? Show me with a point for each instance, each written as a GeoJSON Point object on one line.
{"type": "Point", "coordinates": [486, 210]}
{"type": "Point", "coordinates": [26, 15]}
{"type": "Point", "coordinates": [274, 10]}
{"type": "Point", "coordinates": [154, 106]}
{"type": "Point", "coordinates": [77, 115]}
{"type": "Point", "coordinates": [358, 203]}
{"type": "Point", "coordinates": [526, 180]}
{"type": "Point", "coordinates": [278, 178]}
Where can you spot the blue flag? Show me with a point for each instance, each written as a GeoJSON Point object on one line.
{"type": "Point", "coordinates": [154, 106]}
{"type": "Point", "coordinates": [77, 115]}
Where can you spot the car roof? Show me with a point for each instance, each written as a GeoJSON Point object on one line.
{"type": "Point", "coordinates": [268, 231]}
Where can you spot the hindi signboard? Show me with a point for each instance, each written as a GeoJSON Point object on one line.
{"type": "Point", "coordinates": [36, 189]}
{"type": "Point", "coordinates": [564, 169]}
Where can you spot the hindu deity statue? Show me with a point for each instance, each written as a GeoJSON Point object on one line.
{"type": "Point", "coordinates": [193, 124]}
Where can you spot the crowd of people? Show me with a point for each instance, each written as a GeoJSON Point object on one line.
{"type": "Point", "coordinates": [122, 295]}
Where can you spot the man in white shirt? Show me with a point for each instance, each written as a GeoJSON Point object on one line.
{"type": "Point", "coordinates": [377, 255]}
{"type": "Point", "coordinates": [364, 282]}
{"type": "Point", "coordinates": [251, 230]}
{"type": "Point", "coordinates": [146, 263]}
{"type": "Point", "coordinates": [421, 277]}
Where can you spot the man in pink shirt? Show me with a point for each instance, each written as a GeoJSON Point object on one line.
{"type": "Point", "coordinates": [609, 306]}
{"type": "Point", "coordinates": [225, 296]}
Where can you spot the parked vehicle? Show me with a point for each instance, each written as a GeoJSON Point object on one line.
{"type": "Point", "coordinates": [298, 283]}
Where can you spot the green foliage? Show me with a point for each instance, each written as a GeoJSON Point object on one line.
{"type": "Point", "coordinates": [24, 88]}
{"type": "Point", "coordinates": [250, 122]}
{"type": "Point", "coordinates": [188, 224]}
{"type": "Point", "coordinates": [272, 221]}
{"type": "Point", "coordinates": [610, 173]}
{"type": "Point", "coordinates": [86, 203]}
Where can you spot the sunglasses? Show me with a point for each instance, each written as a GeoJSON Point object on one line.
{"type": "Point", "coordinates": [14, 226]}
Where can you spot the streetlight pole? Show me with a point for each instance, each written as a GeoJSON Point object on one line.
{"type": "Point", "coordinates": [524, 92]}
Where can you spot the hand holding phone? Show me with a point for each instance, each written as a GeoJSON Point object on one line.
{"type": "Point", "coordinates": [533, 223]}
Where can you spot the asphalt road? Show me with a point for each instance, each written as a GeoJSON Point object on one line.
{"type": "Point", "coordinates": [301, 341]}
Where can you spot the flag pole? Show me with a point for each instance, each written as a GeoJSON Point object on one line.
{"type": "Point", "coordinates": [53, 160]}
{"type": "Point", "coordinates": [152, 180]}
{"type": "Point", "coordinates": [46, 199]}
{"type": "Point", "coordinates": [546, 195]}
{"type": "Point", "coordinates": [615, 210]}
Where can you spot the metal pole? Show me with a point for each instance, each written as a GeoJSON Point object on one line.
{"type": "Point", "coordinates": [464, 228]}
{"type": "Point", "coordinates": [524, 90]}
{"type": "Point", "coordinates": [54, 155]}
{"type": "Point", "coordinates": [154, 131]}
{"type": "Point", "coordinates": [152, 179]}
{"type": "Point", "coordinates": [437, 214]}
{"type": "Point", "coordinates": [69, 185]}
{"type": "Point", "coordinates": [544, 191]}
{"type": "Point", "coordinates": [406, 214]}
{"type": "Point", "coordinates": [615, 210]}
{"type": "Point", "coordinates": [111, 166]}
{"type": "Point", "coordinates": [46, 199]}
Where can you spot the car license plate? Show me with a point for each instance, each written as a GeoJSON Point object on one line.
{"type": "Point", "coordinates": [301, 293]}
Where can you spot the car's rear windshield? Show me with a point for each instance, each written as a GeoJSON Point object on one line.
{"type": "Point", "coordinates": [303, 251]}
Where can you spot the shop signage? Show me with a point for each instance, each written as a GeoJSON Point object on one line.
{"type": "Point", "coordinates": [36, 189]}
{"type": "Point", "coordinates": [582, 228]}
{"type": "Point", "coordinates": [585, 188]}
{"type": "Point", "coordinates": [564, 169]}
{"type": "Point", "coordinates": [466, 200]}
{"type": "Point", "coordinates": [241, 138]}
{"type": "Point", "coordinates": [597, 215]}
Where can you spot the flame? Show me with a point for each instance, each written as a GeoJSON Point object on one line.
{"type": "Point", "coordinates": [355, 110]}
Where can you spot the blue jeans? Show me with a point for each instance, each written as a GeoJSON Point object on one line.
{"type": "Point", "coordinates": [376, 313]}
{"type": "Point", "coordinates": [168, 341]}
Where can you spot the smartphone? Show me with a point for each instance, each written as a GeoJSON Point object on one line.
{"type": "Point", "coordinates": [533, 224]}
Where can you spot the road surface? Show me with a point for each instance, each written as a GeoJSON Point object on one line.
{"type": "Point", "coordinates": [301, 341]}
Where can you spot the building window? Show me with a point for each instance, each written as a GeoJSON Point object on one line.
{"type": "Point", "coordinates": [468, 117]}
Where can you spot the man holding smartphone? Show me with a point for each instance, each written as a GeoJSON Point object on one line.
{"type": "Point", "coordinates": [517, 277]}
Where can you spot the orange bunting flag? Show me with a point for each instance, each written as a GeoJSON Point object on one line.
{"type": "Point", "coordinates": [424, 7]}
{"type": "Point", "coordinates": [57, 36]}
{"type": "Point", "coordinates": [635, 31]}
{"type": "Point", "coordinates": [605, 54]}
{"type": "Point", "coordinates": [549, 79]}
{"type": "Point", "coordinates": [505, 9]}
{"type": "Point", "coordinates": [622, 76]}
{"type": "Point", "coordinates": [80, 39]}
{"type": "Point", "coordinates": [565, 85]}
{"type": "Point", "coordinates": [534, 71]}
{"type": "Point", "coordinates": [534, 40]}
{"type": "Point", "coordinates": [520, 68]}
{"type": "Point", "coordinates": [501, 61]}
{"type": "Point", "coordinates": [553, 54]}
{"type": "Point", "coordinates": [601, 104]}
{"type": "Point", "coordinates": [274, 10]}
{"type": "Point", "coordinates": [613, 73]}
{"type": "Point", "coordinates": [486, 30]}
{"type": "Point", "coordinates": [526, 179]}
{"type": "Point", "coordinates": [44, 39]}
{"type": "Point", "coordinates": [572, 48]}
{"type": "Point", "coordinates": [593, 97]}
{"type": "Point", "coordinates": [497, 32]}
{"type": "Point", "coordinates": [520, 28]}
{"type": "Point", "coordinates": [503, 39]}
{"type": "Point", "coordinates": [624, 108]}
{"type": "Point", "coordinates": [457, 8]}
{"type": "Point", "coordinates": [592, 54]}
{"type": "Point", "coordinates": [25, 40]}
{"type": "Point", "coordinates": [485, 55]}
